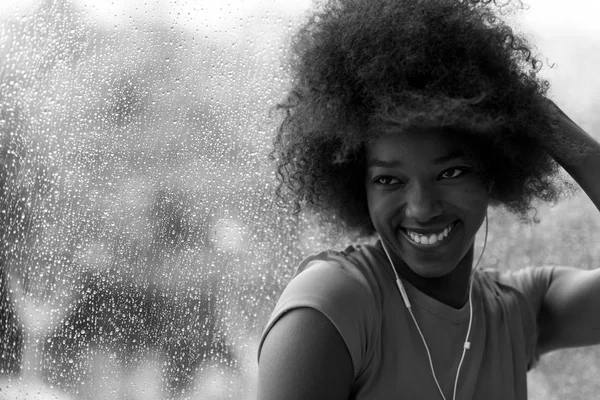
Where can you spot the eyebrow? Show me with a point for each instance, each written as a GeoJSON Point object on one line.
{"type": "Point", "coordinates": [458, 153]}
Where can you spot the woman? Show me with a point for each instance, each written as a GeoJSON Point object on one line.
{"type": "Point", "coordinates": [405, 121]}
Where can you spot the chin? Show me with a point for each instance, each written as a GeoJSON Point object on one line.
{"type": "Point", "coordinates": [433, 271]}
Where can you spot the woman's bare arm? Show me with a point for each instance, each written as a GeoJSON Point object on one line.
{"type": "Point", "coordinates": [304, 357]}
{"type": "Point", "coordinates": [571, 308]}
{"type": "Point", "coordinates": [585, 170]}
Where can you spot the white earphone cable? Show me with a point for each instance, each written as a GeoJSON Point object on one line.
{"type": "Point", "coordinates": [467, 344]}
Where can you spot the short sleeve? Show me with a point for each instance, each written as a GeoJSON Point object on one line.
{"type": "Point", "coordinates": [533, 284]}
{"type": "Point", "coordinates": [329, 288]}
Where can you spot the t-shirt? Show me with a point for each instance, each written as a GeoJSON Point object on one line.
{"type": "Point", "coordinates": [356, 291]}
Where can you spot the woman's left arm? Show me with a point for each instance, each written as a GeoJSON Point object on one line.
{"type": "Point", "coordinates": [570, 314]}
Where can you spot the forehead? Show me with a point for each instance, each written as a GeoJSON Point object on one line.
{"type": "Point", "coordinates": [424, 146]}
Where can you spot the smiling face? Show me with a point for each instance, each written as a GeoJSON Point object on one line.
{"type": "Point", "coordinates": [425, 200]}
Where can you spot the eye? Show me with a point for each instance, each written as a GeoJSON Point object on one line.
{"type": "Point", "coordinates": [386, 180]}
{"type": "Point", "coordinates": [454, 172]}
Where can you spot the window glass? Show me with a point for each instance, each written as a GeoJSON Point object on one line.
{"type": "Point", "coordinates": [141, 251]}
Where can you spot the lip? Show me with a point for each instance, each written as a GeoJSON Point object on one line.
{"type": "Point", "coordinates": [429, 231]}
{"type": "Point", "coordinates": [454, 224]}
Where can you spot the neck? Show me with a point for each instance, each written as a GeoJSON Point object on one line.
{"type": "Point", "coordinates": [451, 289]}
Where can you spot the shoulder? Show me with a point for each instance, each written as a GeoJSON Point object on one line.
{"type": "Point", "coordinates": [525, 288]}
{"type": "Point", "coordinates": [517, 297]}
{"type": "Point", "coordinates": [343, 285]}
{"type": "Point", "coordinates": [531, 282]}
{"type": "Point", "coordinates": [356, 266]}
{"type": "Point", "coordinates": [340, 286]}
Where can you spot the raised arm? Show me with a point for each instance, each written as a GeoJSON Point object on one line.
{"type": "Point", "coordinates": [570, 313]}
{"type": "Point", "coordinates": [304, 357]}
{"type": "Point", "coordinates": [586, 171]}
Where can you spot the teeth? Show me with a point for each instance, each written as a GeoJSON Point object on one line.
{"type": "Point", "coordinates": [431, 239]}
{"type": "Point", "coordinates": [416, 238]}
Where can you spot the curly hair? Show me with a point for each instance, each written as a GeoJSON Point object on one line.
{"type": "Point", "coordinates": [361, 68]}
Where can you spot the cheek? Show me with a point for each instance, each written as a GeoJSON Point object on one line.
{"type": "Point", "coordinates": [475, 200]}
{"type": "Point", "coordinates": [375, 205]}
{"type": "Point", "coordinates": [380, 206]}
{"type": "Point", "coordinates": [371, 205]}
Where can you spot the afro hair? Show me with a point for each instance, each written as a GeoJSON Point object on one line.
{"type": "Point", "coordinates": [361, 68]}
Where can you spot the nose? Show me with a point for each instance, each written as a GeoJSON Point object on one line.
{"type": "Point", "coordinates": [423, 202]}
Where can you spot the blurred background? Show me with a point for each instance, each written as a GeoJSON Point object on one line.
{"type": "Point", "coordinates": [140, 250]}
